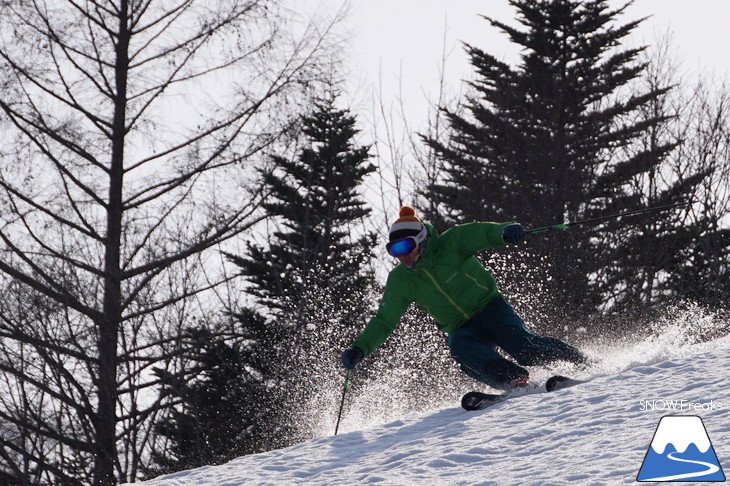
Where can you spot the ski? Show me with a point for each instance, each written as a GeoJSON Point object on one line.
{"type": "Point", "coordinates": [559, 382]}
{"type": "Point", "coordinates": [475, 400]}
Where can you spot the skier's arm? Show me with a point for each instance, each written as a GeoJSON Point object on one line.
{"type": "Point", "coordinates": [392, 307]}
{"type": "Point", "coordinates": [472, 237]}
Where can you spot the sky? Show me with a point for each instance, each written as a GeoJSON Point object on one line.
{"type": "Point", "coordinates": [395, 47]}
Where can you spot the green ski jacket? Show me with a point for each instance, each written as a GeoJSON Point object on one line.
{"type": "Point", "coordinates": [448, 282]}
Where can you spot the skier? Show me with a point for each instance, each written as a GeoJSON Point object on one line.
{"type": "Point", "coordinates": [443, 277]}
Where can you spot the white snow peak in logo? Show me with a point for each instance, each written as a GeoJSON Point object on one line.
{"type": "Point", "coordinates": [681, 451]}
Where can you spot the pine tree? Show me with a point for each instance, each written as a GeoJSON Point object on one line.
{"type": "Point", "coordinates": [312, 279]}
{"type": "Point", "coordinates": [540, 143]}
{"type": "Point", "coordinates": [316, 203]}
{"type": "Point", "coordinates": [218, 416]}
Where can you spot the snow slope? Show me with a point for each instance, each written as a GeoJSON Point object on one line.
{"type": "Point", "coordinates": [594, 433]}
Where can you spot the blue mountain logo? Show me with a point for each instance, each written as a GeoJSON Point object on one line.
{"type": "Point", "coordinates": [681, 451]}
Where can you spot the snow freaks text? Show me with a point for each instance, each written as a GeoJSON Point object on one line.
{"type": "Point", "coordinates": [680, 405]}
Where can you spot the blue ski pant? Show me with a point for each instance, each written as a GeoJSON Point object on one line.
{"type": "Point", "coordinates": [474, 346]}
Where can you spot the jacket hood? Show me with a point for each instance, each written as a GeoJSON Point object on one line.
{"type": "Point", "coordinates": [431, 244]}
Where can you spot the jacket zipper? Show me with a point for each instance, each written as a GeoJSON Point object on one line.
{"type": "Point", "coordinates": [476, 282]}
{"type": "Point", "coordinates": [443, 292]}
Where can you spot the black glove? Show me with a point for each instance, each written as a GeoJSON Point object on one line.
{"type": "Point", "coordinates": [351, 357]}
{"type": "Point", "coordinates": [513, 234]}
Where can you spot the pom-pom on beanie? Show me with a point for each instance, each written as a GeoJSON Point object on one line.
{"type": "Point", "coordinates": [407, 224]}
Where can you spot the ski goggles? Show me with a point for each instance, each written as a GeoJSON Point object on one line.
{"type": "Point", "coordinates": [406, 245]}
{"type": "Point", "coordinates": [402, 246]}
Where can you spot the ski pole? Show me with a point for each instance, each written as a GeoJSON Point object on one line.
{"type": "Point", "coordinates": [342, 403]}
{"type": "Point", "coordinates": [605, 218]}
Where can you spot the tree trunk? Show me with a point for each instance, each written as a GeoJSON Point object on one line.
{"type": "Point", "coordinates": [110, 323]}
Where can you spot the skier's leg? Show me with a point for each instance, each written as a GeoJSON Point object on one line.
{"type": "Point", "coordinates": [528, 348]}
{"type": "Point", "coordinates": [479, 359]}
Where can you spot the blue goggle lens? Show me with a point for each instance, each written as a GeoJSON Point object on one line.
{"type": "Point", "coordinates": [403, 246]}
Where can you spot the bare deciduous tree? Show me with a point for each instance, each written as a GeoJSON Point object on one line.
{"type": "Point", "coordinates": [703, 273]}
{"type": "Point", "coordinates": [684, 257]}
{"type": "Point", "coordinates": [129, 130]}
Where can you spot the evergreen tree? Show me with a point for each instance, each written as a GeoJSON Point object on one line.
{"type": "Point", "coordinates": [320, 243]}
{"type": "Point", "coordinates": [217, 417]}
{"type": "Point", "coordinates": [540, 143]}
{"type": "Point", "coordinates": [312, 278]}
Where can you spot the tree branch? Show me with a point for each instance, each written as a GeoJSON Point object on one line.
{"type": "Point", "coordinates": [232, 228]}
{"type": "Point", "coordinates": [45, 210]}
{"type": "Point", "coordinates": [16, 117]}
{"type": "Point", "coordinates": [61, 296]}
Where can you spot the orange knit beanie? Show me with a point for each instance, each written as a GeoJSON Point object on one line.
{"type": "Point", "coordinates": [407, 224]}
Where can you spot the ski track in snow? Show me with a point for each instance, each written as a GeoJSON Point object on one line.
{"type": "Point", "coordinates": [711, 469]}
{"type": "Point", "coordinates": [594, 433]}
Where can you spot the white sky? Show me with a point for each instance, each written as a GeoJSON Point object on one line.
{"type": "Point", "coordinates": [398, 44]}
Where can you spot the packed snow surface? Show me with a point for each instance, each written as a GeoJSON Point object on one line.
{"type": "Point", "coordinates": [594, 433]}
